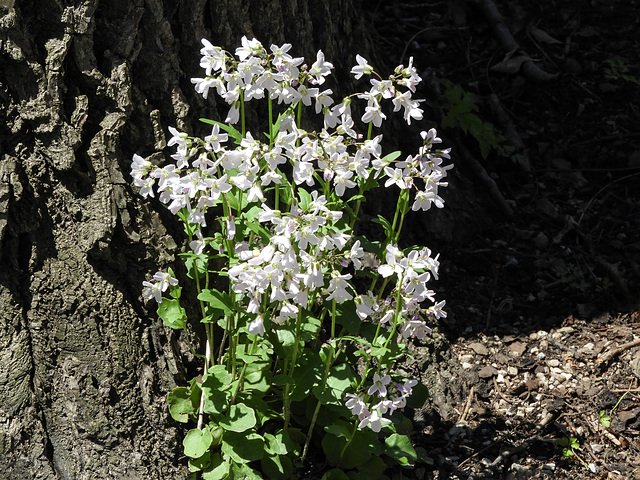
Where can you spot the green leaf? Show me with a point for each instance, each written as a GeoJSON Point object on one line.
{"type": "Point", "coordinates": [385, 224]}
{"type": "Point", "coordinates": [244, 472]}
{"type": "Point", "coordinates": [234, 199]}
{"type": "Point", "coordinates": [310, 328]}
{"type": "Point", "coordinates": [339, 430]}
{"type": "Point", "coordinates": [215, 389]}
{"type": "Point", "coordinates": [282, 380]}
{"type": "Point", "coordinates": [286, 339]}
{"type": "Point", "coordinates": [243, 447]}
{"type": "Point", "coordinates": [419, 396]}
{"type": "Point", "coordinates": [197, 442]}
{"type": "Point", "coordinates": [373, 469]}
{"type": "Point", "coordinates": [217, 299]}
{"type": "Point", "coordinates": [195, 264]}
{"type": "Point", "coordinates": [306, 374]}
{"type": "Point", "coordinates": [275, 445]}
{"type": "Point", "coordinates": [240, 418]}
{"type": "Point", "coordinates": [172, 314]}
{"type": "Point", "coordinates": [233, 133]}
{"type": "Point", "coordinates": [390, 157]}
{"type": "Point", "coordinates": [277, 467]}
{"type": "Point", "coordinates": [335, 474]}
{"type": "Point", "coordinates": [305, 198]}
{"type": "Point", "coordinates": [332, 447]}
{"type": "Point", "coordinates": [399, 447]}
{"type": "Point", "coordinates": [218, 470]}
{"type": "Point", "coordinates": [257, 381]}
{"type": "Point", "coordinates": [180, 406]}
{"type": "Point", "coordinates": [347, 317]}
{"type": "Point", "coordinates": [364, 446]}
{"type": "Point", "coordinates": [340, 379]}
{"type": "Point", "coordinates": [258, 229]}
{"type": "Point", "coordinates": [201, 463]}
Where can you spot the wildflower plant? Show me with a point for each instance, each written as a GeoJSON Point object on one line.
{"type": "Point", "coordinates": [305, 321]}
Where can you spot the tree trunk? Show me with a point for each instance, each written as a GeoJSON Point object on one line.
{"type": "Point", "coordinates": [84, 367]}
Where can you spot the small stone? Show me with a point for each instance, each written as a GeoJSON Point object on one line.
{"type": "Point", "coordinates": [479, 348]}
{"type": "Point", "coordinates": [513, 371]}
{"type": "Point", "coordinates": [541, 241]}
{"type": "Point", "coordinates": [554, 362]}
{"type": "Point", "coordinates": [466, 365]}
{"type": "Point", "coordinates": [500, 378]}
{"type": "Point", "coordinates": [487, 371]}
{"type": "Point", "coordinates": [549, 466]}
{"type": "Point", "coordinates": [518, 347]}
{"type": "Point", "coordinates": [466, 358]}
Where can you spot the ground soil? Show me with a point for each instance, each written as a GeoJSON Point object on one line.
{"type": "Point", "coordinates": [543, 295]}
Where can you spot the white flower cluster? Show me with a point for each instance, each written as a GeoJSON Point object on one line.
{"type": "Point", "coordinates": [307, 249]}
{"type": "Point", "coordinates": [156, 289]}
{"type": "Point", "coordinates": [413, 272]}
{"type": "Point", "coordinates": [373, 416]}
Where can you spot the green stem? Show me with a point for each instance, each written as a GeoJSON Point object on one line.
{"type": "Point", "coordinates": [344, 449]}
{"type": "Point", "coordinates": [333, 319]}
{"type": "Point", "coordinates": [270, 121]}
{"type": "Point", "coordinates": [294, 357]}
{"type": "Point", "coordinates": [327, 367]}
{"type": "Point", "coordinates": [396, 317]}
{"type": "Point", "coordinates": [402, 203]}
{"type": "Point", "coordinates": [244, 131]}
{"type": "Point", "coordinates": [242, 373]}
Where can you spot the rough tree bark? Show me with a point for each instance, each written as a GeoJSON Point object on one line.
{"type": "Point", "coordinates": [84, 367]}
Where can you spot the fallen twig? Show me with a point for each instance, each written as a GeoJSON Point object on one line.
{"type": "Point", "coordinates": [467, 405]}
{"type": "Point", "coordinates": [612, 353]}
{"type": "Point", "coordinates": [528, 68]}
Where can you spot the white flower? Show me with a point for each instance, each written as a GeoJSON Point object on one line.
{"type": "Point", "coordinates": [164, 280]}
{"type": "Point", "coordinates": [356, 253]}
{"type": "Point", "coordinates": [411, 109]}
{"type": "Point", "coordinates": [213, 58]}
{"type": "Point", "coordinates": [231, 228]}
{"type": "Point", "coordinates": [363, 68]}
{"type": "Point", "coordinates": [198, 245]}
{"type": "Point", "coordinates": [396, 176]}
{"type": "Point", "coordinates": [355, 403]}
{"type": "Point", "coordinates": [373, 114]}
{"type": "Point", "coordinates": [152, 290]}
{"type": "Point", "coordinates": [342, 181]}
{"type": "Point", "coordinates": [374, 420]}
{"type": "Point", "coordinates": [379, 385]}
{"type": "Point", "coordinates": [366, 305]}
{"type": "Point", "coordinates": [415, 328]}
{"type": "Point", "coordinates": [256, 327]}
{"type": "Point", "coordinates": [323, 99]}
{"type": "Point", "coordinates": [249, 47]}
{"type": "Point", "coordinates": [338, 288]}
{"type": "Point", "coordinates": [320, 68]}
{"type": "Point", "coordinates": [215, 139]}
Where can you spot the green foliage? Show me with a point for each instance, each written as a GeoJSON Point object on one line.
{"type": "Point", "coordinates": [570, 445]}
{"type": "Point", "coordinates": [460, 112]}
{"type": "Point", "coordinates": [617, 69]}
